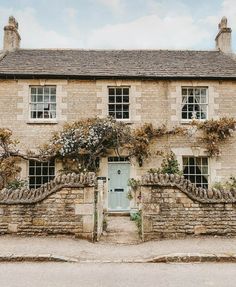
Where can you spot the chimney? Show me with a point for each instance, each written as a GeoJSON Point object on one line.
{"type": "Point", "coordinates": [223, 38]}
{"type": "Point", "coordinates": [11, 36]}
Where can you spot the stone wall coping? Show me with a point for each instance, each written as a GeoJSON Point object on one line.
{"type": "Point", "coordinates": [32, 196]}
{"type": "Point", "coordinates": [198, 194]}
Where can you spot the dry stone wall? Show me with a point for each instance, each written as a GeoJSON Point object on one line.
{"type": "Point", "coordinates": [173, 207]}
{"type": "Point", "coordinates": [65, 205]}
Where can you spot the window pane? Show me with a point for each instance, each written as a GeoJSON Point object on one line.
{"type": "Point", "coordinates": [33, 98]}
{"type": "Point", "coordinates": [40, 91]}
{"type": "Point", "coordinates": [111, 99]}
{"type": "Point", "coordinates": [118, 99]}
{"type": "Point", "coordinates": [118, 91]}
{"type": "Point", "coordinates": [53, 107]}
{"type": "Point", "coordinates": [53, 91]}
{"type": "Point", "coordinates": [126, 91]}
{"type": "Point", "coordinates": [111, 107]}
{"type": "Point", "coordinates": [184, 92]}
{"type": "Point", "coordinates": [111, 91]}
{"type": "Point", "coordinates": [203, 99]}
{"type": "Point", "coordinates": [33, 90]}
{"type": "Point", "coordinates": [125, 107]}
{"type": "Point", "coordinates": [119, 107]}
{"type": "Point", "coordinates": [125, 115]}
{"type": "Point", "coordinates": [46, 99]}
{"type": "Point", "coordinates": [118, 115]}
{"type": "Point", "coordinates": [39, 98]}
{"type": "Point", "coordinates": [190, 92]}
{"type": "Point", "coordinates": [53, 99]}
{"type": "Point", "coordinates": [46, 91]}
{"type": "Point", "coordinates": [125, 99]}
{"type": "Point", "coordinates": [52, 114]}
{"type": "Point", "coordinates": [184, 115]}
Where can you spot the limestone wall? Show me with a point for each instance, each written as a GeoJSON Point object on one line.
{"type": "Point", "coordinates": [172, 207]}
{"type": "Point", "coordinates": [65, 205]}
{"type": "Point", "coordinates": [155, 101]}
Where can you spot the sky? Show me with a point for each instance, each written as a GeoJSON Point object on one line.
{"type": "Point", "coordinates": [119, 24]}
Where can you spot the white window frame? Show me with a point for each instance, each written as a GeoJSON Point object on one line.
{"type": "Point", "coordinates": [122, 103]}
{"type": "Point", "coordinates": [193, 167]}
{"type": "Point", "coordinates": [34, 103]}
{"type": "Point", "coordinates": [206, 104]}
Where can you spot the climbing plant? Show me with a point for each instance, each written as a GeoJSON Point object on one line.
{"type": "Point", "coordinates": [8, 160]}
{"type": "Point", "coordinates": [169, 165]}
{"type": "Point", "coordinates": [79, 145]}
{"type": "Point", "coordinates": [215, 132]}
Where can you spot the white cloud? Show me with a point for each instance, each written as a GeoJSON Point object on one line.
{"type": "Point", "coordinates": [33, 34]}
{"type": "Point", "coordinates": [151, 32]}
{"type": "Point", "coordinates": [116, 6]}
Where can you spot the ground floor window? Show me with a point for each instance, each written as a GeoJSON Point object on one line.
{"type": "Point", "coordinates": [40, 173]}
{"type": "Point", "coordinates": [195, 169]}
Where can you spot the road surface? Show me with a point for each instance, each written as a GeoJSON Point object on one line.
{"type": "Point", "coordinates": [114, 275]}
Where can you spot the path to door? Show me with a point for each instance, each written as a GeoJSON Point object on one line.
{"type": "Point", "coordinates": [120, 230]}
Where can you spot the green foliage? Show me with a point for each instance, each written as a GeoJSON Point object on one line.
{"type": "Point", "coordinates": [228, 185]}
{"type": "Point", "coordinates": [134, 183]}
{"type": "Point", "coordinates": [130, 195]}
{"type": "Point", "coordinates": [8, 162]}
{"type": "Point", "coordinates": [17, 184]}
{"type": "Point", "coordinates": [169, 165]}
{"type": "Point", "coordinates": [137, 217]}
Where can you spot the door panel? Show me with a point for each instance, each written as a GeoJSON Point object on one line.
{"type": "Point", "coordinates": [118, 175]}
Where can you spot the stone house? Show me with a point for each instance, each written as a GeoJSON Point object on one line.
{"type": "Point", "coordinates": [41, 89]}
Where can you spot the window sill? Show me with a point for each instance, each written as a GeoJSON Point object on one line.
{"type": "Point", "coordinates": [42, 122]}
{"type": "Point", "coordinates": [128, 122]}
{"type": "Point", "coordinates": [188, 122]}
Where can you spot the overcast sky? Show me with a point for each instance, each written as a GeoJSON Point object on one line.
{"type": "Point", "coordinates": [117, 24]}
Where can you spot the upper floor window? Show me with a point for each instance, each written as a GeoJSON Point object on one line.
{"type": "Point", "coordinates": [118, 102]}
{"type": "Point", "coordinates": [43, 102]}
{"type": "Point", "coordinates": [195, 169]}
{"type": "Point", "coordinates": [40, 173]}
{"type": "Point", "coordinates": [194, 103]}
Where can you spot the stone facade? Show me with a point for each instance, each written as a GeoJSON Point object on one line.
{"type": "Point", "coordinates": [155, 101]}
{"type": "Point", "coordinates": [172, 207]}
{"type": "Point", "coordinates": [65, 205]}
{"type": "Point", "coordinates": [158, 102]}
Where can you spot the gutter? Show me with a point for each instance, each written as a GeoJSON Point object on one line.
{"type": "Point", "coordinates": [107, 77]}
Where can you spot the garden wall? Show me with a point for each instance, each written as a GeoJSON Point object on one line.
{"type": "Point", "coordinates": [173, 207]}
{"type": "Point", "coordinates": [65, 205]}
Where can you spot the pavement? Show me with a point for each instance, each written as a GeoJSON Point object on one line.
{"type": "Point", "coordinates": [65, 249]}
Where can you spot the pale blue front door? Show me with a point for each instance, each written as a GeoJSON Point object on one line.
{"type": "Point", "coordinates": [118, 176]}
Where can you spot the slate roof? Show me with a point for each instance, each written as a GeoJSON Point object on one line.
{"type": "Point", "coordinates": [62, 63]}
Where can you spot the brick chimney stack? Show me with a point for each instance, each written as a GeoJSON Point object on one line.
{"type": "Point", "coordinates": [12, 38]}
{"type": "Point", "coordinates": [223, 38]}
